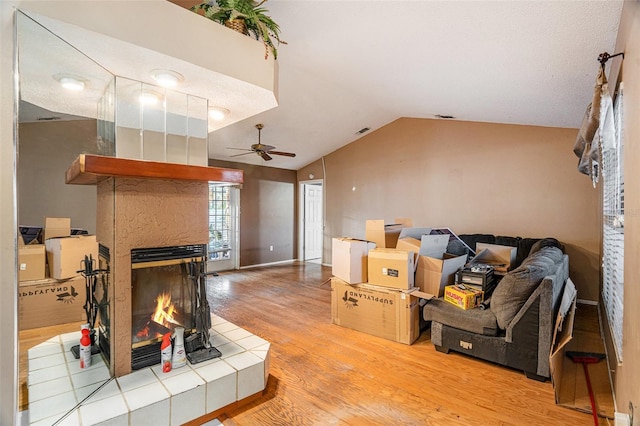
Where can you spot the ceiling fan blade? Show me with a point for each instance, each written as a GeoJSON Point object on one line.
{"type": "Point", "coordinates": [239, 149]}
{"type": "Point", "coordinates": [264, 155]}
{"type": "Point", "coordinates": [238, 155]}
{"type": "Point", "coordinates": [286, 154]}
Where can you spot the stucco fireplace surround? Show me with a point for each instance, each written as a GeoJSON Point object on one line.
{"type": "Point", "coordinates": [141, 205]}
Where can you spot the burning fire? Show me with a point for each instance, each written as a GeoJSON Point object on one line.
{"type": "Point", "coordinates": [165, 311]}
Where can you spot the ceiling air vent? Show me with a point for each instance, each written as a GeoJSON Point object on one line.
{"type": "Point", "coordinates": [54, 118]}
{"type": "Point", "coordinates": [363, 130]}
{"type": "Point", "coordinates": [445, 117]}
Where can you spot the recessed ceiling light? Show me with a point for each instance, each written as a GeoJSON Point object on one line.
{"type": "Point", "coordinates": [149, 98]}
{"type": "Point", "coordinates": [167, 78]}
{"type": "Point", "coordinates": [218, 113]}
{"type": "Point", "coordinates": [69, 82]}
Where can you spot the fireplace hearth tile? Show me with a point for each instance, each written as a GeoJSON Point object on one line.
{"type": "Point", "coordinates": [73, 419]}
{"type": "Point", "coordinates": [250, 373]}
{"type": "Point", "coordinates": [251, 342]}
{"type": "Point", "coordinates": [109, 411]}
{"type": "Point", "coordinates": [182, 395]}
{"type": "Point", "coordinates": [221, 383]}
{"type": "Point", "coordinates": [137, 379]}
{"type": "Point", "coordinates": [57, 404]}
{"type": "Point", "coordinates": [47, 361]}
{"type": "Point", "coordinates": [237, 334]}
{"type": "Point", "coordinates": [218, 339]}
{"type": "Point", "coordinates": [90, 376]}
{"type": "Point", "coordinates": [147, 395]}
{"type": "Point", "coordinates": [47, 348]}
{"type": "Point", "coordinates": [187, 396]}
{"type": "Point", "coordinates": [215, 320]}
{"type": "Point", "coordinates": [46, 374]}
{"type": "Point", "coordinates": [74, 364]}
{"type": "Point", "coordinates": [106, 391]}
{"type": "Point", "coordinates": [225, 327]}
{"type": "Point", "coordinates": [50, 388]}
{"type": "Point", "coordinates": [230, 349]}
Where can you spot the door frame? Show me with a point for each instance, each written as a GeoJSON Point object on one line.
{"type": "Point", "coordinates": [301, 209]}
{"type": "Point", "coordinates": [233, 262]}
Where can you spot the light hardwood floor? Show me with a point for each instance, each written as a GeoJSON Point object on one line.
{"type": "Point", "coordinates": [324, 374]}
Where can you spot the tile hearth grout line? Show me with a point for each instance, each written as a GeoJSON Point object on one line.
{"type": "Point", "coordinates": [79, 404]}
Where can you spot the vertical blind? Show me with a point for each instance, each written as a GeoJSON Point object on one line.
{"type": "Point", "coordinates": [613, 226]}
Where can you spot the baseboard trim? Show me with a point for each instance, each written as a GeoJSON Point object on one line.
{"type": "Point", "coordinates": [587, 302]}
{"type": "Point", "coordinates": [281, 262]}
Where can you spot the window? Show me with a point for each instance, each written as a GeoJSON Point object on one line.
{"type": "Point", "coordinates": [220, 222]}
{"type": "Point", "coordinates": [613, 226]}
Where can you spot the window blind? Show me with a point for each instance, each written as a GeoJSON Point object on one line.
{"type": "Point", "coordinates": [613, 226]}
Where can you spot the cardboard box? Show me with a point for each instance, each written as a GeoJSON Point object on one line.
{"type": "Point", "coordinates": [49, 302]}
{"type": "Point", "coordinates": [465, 298]}
{"type": "Point", "coordinates": [409, 244]}
{"type": "Point", "coordinates": [382, 312]}
{"type": "Point", "coordinates": [385, 236]}
{"type": "Point", "coordinates": [502, 258]}
{"type": "Point", "coordinates": [31, 262]}
{"type": "Point", "coordinates": [391, 268]}
{"type": "Point", "coordinates": [65, 255]}
{"type": "Point", "coordinates": [56, 227]}
{"type": "Point", "coordinates": [434, 274]}
{"type": "Point", "coordinates": [349, 259]}
{"type": "Point", "coordinates": [562, 335]}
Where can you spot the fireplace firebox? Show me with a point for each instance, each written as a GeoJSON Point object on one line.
{"type": "Point", "coordinates": [164, 295]}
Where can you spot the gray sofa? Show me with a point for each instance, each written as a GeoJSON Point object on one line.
{"type": "Point", "coordinates": [516, 328]}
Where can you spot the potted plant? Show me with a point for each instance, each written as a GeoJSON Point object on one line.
{"type": "Point", "coordinates": [245, 16]}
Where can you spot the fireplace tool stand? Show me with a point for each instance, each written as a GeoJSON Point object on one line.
{"type": "Point", "coordinates": [90, 306]}
{"type": "Point", "coordinates": [198, 345]}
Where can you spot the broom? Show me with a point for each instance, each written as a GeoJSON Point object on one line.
{"type": "Point", "coordinates": [586, 358]}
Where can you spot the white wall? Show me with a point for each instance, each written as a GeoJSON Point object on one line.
{"type": "Point", "coordinates": [8, 278]}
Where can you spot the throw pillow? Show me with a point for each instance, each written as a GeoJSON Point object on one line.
{"type": "Point", "coordinates": [514, 289]}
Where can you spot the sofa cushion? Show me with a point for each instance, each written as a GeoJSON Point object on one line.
{"type": "Point", "coordinates": [480, 321]}
{"type": "Point", "coordinates": [515, 288]}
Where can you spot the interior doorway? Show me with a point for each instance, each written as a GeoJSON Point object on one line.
{"type": "Point", "coordinates": [311, 233]}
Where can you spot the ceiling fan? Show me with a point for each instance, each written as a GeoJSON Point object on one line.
{"type": "Point", "coordinates": [264, 151]}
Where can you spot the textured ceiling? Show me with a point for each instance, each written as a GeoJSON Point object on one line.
{"type": "Point", "coordinates": [355, 64]}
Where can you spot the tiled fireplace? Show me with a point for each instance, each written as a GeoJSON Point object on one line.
{"type": "Point", "coordinates": [146, 209]}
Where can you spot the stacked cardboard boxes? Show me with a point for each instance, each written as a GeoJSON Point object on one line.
{"type": "Point", "coordinates": [51, 289]}
{"type": "Point", "coordinates": [404, 266]}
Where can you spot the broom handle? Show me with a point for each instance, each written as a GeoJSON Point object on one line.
{"type": "Point", "coordinates": [591, 397]}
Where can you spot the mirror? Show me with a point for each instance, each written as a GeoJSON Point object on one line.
{"type": "Point", "coordinates": [56, 124]}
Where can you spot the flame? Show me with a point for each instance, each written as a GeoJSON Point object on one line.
{"type": "Point", "coordinates": [165, 310]}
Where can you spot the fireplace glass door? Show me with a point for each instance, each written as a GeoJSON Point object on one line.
{"type": "Point", "coordinates": [164, 283]}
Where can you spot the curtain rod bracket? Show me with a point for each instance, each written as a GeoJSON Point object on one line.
{"type": "Point", "coordinates": [604, 57]}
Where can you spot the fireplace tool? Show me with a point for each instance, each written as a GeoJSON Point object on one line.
{"type": "Point", "coordinates": [198, 345]}
{"type": "Point", "coordinates": [90, 306]}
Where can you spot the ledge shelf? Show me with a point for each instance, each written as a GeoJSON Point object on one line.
{"type": "Point", "coordinates": [90, 169]}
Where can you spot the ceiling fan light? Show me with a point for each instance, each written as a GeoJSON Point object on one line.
{"type": "Point", "coordinates": [218, 113]}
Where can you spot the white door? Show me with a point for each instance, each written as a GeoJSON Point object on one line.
{"type": "Point", "coordinates": [222, 250]}
{"type": "Point", "coordinates": [312, 221]}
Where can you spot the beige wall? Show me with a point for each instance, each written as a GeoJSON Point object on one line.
{"type": "Point", "coordinates": [46, 150]}
{"type": "Point", "coordinates": [471, 177]}
{"type": "Point", "coordinates": [267, 213]}
{"type": "Point", "coordinates": [627, 374]}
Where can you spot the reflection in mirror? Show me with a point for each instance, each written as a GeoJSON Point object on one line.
{"type": "Point", "coordinates": [56, 124]}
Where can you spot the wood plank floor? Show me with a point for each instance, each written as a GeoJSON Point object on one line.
{"type": "Point", "coordinates": [324, 374]}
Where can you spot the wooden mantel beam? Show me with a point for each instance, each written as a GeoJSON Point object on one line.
{"type": "Point", "coordinates": [90, 169]}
